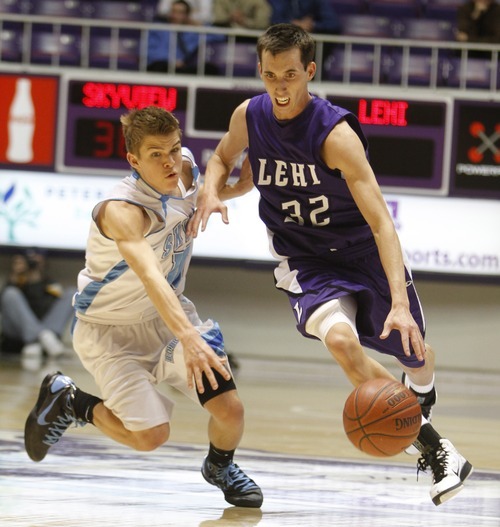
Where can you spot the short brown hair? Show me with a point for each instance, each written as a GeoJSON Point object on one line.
{"type": "Point", "coordinates": [283, 37]}
{"type": "Point", "coordinates": [151, 120]}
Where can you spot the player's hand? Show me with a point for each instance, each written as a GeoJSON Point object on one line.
{"type": "Point", "coordinates": [400, 318]}
{"type": "Point", "coordinates": [201, 359]}
{"type": "Point", "coordinates": [207, 203]}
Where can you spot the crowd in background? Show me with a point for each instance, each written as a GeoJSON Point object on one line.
{"type": "Point", "coordinates": [464, 21]}
{"type": "Point", "coordinates": [476, 21]}
{"type": "Point", "coordinates": [312, 15]}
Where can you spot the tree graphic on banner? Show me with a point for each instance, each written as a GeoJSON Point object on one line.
{"type": "Point", "coordinates": [16, 209]}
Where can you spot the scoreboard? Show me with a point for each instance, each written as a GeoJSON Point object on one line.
{"type": "Point", "coordinates": [428, 146]}
{"type": "Point", "coordinates": [93, 137]}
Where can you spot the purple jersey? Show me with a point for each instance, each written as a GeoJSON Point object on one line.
{"type": "Point", "coordinates": [306, 206]}
{"type": "Point", "coordinates": [326, 248]}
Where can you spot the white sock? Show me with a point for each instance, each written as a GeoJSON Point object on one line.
{"type": "Point", "coordinates": [422, 389]}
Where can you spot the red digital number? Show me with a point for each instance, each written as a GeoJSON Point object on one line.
{"type": "Point", "coordinates": [108, 140]}
{"type": "Point", "coordinates": [104, 139]}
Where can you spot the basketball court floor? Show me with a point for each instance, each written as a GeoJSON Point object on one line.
{"type": "Point", "coordinates": [294, 447]}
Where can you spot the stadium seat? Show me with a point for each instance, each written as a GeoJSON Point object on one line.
{"type": "Point", "coordinates": [11, 37]}
{"type": "Point", "coordinates": [71, 8]}
{"type": "Point", "coordinates": [424, 29]}
{"type": "Point", "coordinates": [14, 6]}
{"type": "Point", "coordinates": [366, 26]}
{"type": "Point", "coordinates": [395, 8]}
{"type": "Point", "coordinates": [244, 60]}
{"type": "Point", "coordinates": [421, 69]}
{"type": "Point", "coordinates": [121, 51]}
{"type": "Point", "coordinates": [442, 9]}
{"type": "Point", "coordinates": [477, 74]}
{"type": "Point", "coordinates": [349, 7]}
{"type": "Point", "coordinates": [356, 65]}
{"type": "Point", "coordinates": [131, 11]}
{"type": "Point", "coordinates": [49, 46]}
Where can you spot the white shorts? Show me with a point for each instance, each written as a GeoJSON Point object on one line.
{"type": "Point", "coordinates": [341, 309]}
{"type": "Point", "coordinates": [127, 361]}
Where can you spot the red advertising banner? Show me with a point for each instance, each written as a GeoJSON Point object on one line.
{"type": "Point", "coordinates": [28, 116]}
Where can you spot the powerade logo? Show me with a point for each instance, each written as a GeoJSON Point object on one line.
{"type": "Point", "coordinates": [485, 147]}
{"type": "Point", "coordinates": [476, 163]}
{"type": "Point", "coordinates": [16, 209]}
{"type": "Point", "coordinates": [487, 143]}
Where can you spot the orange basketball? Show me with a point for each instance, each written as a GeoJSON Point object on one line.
{"type": "Point", "coordinates": [382, 417]}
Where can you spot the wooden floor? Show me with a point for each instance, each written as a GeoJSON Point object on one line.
{"type": "Point", "coordinates": [294, 447]}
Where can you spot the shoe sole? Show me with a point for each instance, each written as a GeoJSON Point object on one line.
{"type": "Point", "coordinates": [450, 493]}
{"type": "Point", "coordinates": [240, 502]}
{"type": "Point", "coordinates": [30, 449]}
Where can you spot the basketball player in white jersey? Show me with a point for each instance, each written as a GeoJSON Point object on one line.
{"type": "Point", "coordinates": [135, 328]}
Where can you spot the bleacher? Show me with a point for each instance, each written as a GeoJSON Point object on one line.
{"type": "Point", "coordinates": [393, 43]}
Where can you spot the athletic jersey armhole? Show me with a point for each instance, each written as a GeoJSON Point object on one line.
{"type": "Point", "coordinates": [152, 215]}
{"type": "Point", "coordinates": [188, 156]}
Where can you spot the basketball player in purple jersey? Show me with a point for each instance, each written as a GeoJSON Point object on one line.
{"type": "Point", "coordinates": [340, 259]}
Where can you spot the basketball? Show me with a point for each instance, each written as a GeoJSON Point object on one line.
{"type": "Point", "coordinates": [382, 417]}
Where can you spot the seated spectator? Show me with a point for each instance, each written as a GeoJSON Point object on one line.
{"type": "Point", "coordinates": [244, 14]}
{"type": "Point", "coordinates": [186, 52]}
{"type": "Point", "coordinates": [314, 16]}
{"type": "Point", "coordinates": [201, 11]}
{"type": "Point", "coordinates": [35, 309]}
{"type": "Point", "coordinates": [479, 21]}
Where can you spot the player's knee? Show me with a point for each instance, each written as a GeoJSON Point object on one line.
{"type": "Point", "coordinates": [10, 295]}
{"type": "Point", "coordinates": [343, 347]}
{"type": "Point", "coordinates": [151, 439]}
{"type": "Point", "coordinates": [227, 407]}
{"type": "Point", "coordinates": [231, 408]}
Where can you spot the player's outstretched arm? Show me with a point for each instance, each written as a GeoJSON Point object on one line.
{"type": "Point", "coordinates": [126, 224]}
{"type": "Point", "coordinates": [219, 168]}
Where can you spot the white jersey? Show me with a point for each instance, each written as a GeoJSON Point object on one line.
{"type": "Point", "coordinates": [109, 292]}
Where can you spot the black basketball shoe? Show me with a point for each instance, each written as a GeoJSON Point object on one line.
{"type": "Point", "coordinates": [237, 487]}
{"type": "Point", "coordinates": [51, 416]}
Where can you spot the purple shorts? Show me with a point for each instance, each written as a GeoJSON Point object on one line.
{"type": "Point", "coordinates": [363, 277]}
